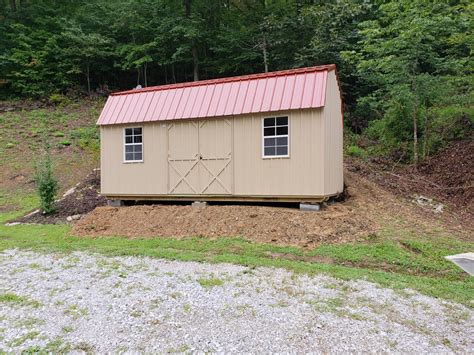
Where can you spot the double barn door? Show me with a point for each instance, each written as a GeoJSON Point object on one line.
{"type": "Point", "coordinates": [200, 157]}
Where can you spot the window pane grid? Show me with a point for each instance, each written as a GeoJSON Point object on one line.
{"type": "Point", "coordinates": [133, 144]}
{"type": "Point", "coordinates": [275, 136]}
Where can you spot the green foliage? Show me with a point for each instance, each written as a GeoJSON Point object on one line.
{"type": "Point", "coordinates": [407, 57]}
{"type": "Point", "coordinates": [46, 183]}
{"type": "Point", "coordinates": [65, 142]}
{"type": "Point", "coordinates": [356, 151]}
{"type": "Point", "coordinates": [87, 138]}
{"type": "Point", "coordinates": [400, 62]}
{"type": "Point", "coordinates": [59, 99]}
{"type": "Point", "coordinates": [58, 134]}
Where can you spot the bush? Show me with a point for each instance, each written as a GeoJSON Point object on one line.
{"type": "Point", "coordinates": [46, 183]}
{"type": "Point", "coordinates": [58, 100]}
{"type": "Point", "coordinates": [87, 137]}
{"type": "Point", "coordinates": [356, 151]}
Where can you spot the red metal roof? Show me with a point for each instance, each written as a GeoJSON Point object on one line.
{"type": "Point", "coordinates": [276, 91]}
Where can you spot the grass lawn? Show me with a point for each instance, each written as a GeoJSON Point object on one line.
{"type": "Point", "coordinates": [410, 263]}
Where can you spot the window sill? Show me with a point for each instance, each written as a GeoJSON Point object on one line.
{"type": "Point", "coordinates": [132, 161]}
{"type": "Point", "coordinates": [276, 157]}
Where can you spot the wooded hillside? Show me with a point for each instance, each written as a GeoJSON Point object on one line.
{"type": "Point", "coordinates": [405, 65]}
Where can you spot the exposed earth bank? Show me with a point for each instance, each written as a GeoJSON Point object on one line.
{"type": "Point", "coordinates": [369, 210]}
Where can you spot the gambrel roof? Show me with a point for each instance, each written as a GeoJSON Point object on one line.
{"type": "Point", "coordinates": [268, 92]}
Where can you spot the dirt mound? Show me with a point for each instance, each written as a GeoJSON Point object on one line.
{"type": "Point", "coordinates": [285, 226]}
{"type": "Point", "coordinates": [81, 200]}
{"type": "Point", "coordinates": [366, 213]}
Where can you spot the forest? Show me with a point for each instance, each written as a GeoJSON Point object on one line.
{"type": "Point", "coordinates": [405, 66]}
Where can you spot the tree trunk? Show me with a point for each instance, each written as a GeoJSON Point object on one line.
{"type": "Point", "coordinates": [88, 79]}
{"type": "Point", "coordinates": [13, 5]}
{"type": "Point", "coordinates": [194, 52]}
{"type": "Point", "coordinates": [138, 76]}
{"type": "Point", "coordinates": [173, 73]}
{"type": "Point", "coordinates": [425, 135]}
{"type": "Point", "coordinates": [415, 122]}
{"type": "Point", "coordinates": [265, 53]}
{"type": "Point", "coordinates": [144, 74]}
{"type": "Point", "coordinates": [415, 135]}
{"type": "Point", "coordinates": [195, 64]}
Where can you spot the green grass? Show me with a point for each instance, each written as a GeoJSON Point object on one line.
{"type": "Point", "coordinates": [416, 257]}
{"type": "Point", "coordinates": [210, 282]}
{"type": "Point", "coordinates": [418, 264]}
{"type": "Point", "coordinates": [12, 298]}
{"type": "Point", "coordinates": [56, 238]}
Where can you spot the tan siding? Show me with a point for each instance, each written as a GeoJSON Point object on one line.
{"type": "Point", "coordinates": [333, 130]}
{"type": "Point", "coordinates": [297, 175]}
{"type": "Point", "coordinates": [149, 177]}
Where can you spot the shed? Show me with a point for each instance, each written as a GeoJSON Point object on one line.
{"type": "Point", "coordinates": [275, 136]}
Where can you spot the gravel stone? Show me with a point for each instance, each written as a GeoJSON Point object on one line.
{"type": "Point", "coordinates": [87, 302]}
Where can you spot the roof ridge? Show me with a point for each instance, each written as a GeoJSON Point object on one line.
{"type": "Point", "coordinates": [230, 79]}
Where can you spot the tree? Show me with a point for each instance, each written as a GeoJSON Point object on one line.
{"type": "Point", "coordinates": [85, 51]}
{"type": "Point", "coordinates": [400, 54]}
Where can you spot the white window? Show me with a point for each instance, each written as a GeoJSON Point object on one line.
{"type": "Point", "coordinates": [133, 144]}
{"type": "Point", "coordinates": [275, 137]}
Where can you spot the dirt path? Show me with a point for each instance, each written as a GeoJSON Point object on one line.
{"type": "Point", "coordinates": [90, 303]}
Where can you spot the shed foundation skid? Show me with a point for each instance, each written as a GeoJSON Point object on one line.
{"type": "Point", "coordinates": [219, 198]}
{"type": "Point", "coordinates": [115, 203]}
{"type": "Point", "coordinates": [310, 207]}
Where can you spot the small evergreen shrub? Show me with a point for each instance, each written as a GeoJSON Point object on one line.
{"type": "Point", "coordinates": [46, 183]}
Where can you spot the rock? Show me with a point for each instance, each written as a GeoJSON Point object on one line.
{"type": "Point", "coordinates": [69, 192]}
{"type": "Point", "coordinates": [422, 200]}
{"type": "Point", "coordinates": [32, 213]}
{"type": "Point", "coordinates": [439, 208]}
{"type": "Point", "coordinates": [12, 224]}
{"type": "Point", "coordinates": [73, 217]}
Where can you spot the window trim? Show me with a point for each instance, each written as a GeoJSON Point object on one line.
{"type": "Point", "coordinates": [124, 144]}
{"type": "Point", "coordinates": [276, 136]}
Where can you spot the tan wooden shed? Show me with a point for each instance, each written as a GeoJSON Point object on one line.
{"type": "Point", "coordinates": [274, 136]}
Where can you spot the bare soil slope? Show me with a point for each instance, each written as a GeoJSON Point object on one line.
{"type": "Point", "coordinates": [370, 210]}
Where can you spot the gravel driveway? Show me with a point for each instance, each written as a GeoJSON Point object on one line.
{"type": "Point", "coordinates": [90, 302]}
